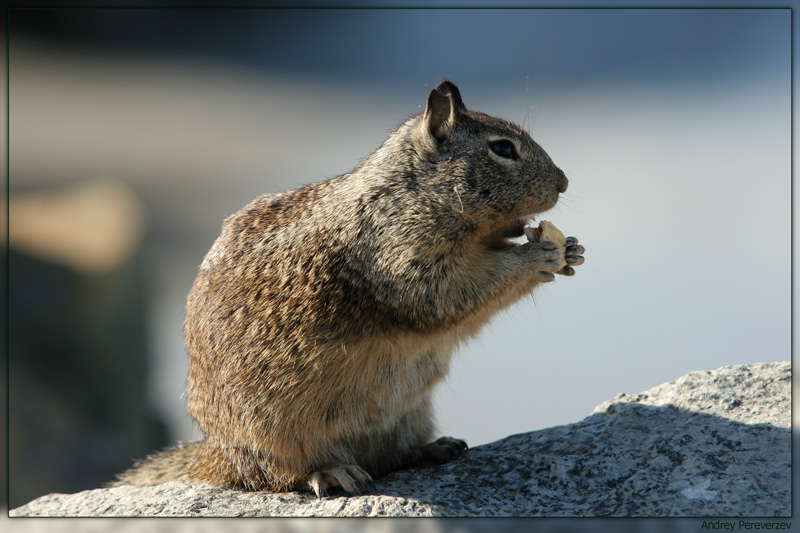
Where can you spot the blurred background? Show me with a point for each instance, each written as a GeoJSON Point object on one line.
{"type": "Point", "coordinates": [134, 133]}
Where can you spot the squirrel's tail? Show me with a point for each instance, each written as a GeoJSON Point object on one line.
{"type": "Point", "coordinates": [160, 467]}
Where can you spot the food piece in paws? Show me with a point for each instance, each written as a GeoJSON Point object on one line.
{"type": "Point", "coordinates": [546, 231]}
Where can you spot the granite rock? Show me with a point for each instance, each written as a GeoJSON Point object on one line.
{"type": "Point", "coordinates": [707, 444]}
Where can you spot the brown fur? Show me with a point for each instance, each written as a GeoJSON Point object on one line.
{"type": "Point", "coordinates": [322, 318]}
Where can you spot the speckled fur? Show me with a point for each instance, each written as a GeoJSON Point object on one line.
{"type": "Point", "coordinates": [322, 318]}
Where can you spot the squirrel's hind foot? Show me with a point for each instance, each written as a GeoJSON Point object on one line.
{"type": "Point", "coordinates": [441, 450]}
{"type": "Point", "coordinates": [352, 478]}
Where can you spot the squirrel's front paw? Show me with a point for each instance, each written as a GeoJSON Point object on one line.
{"type": "Point", "coordinates": [352, 478]}
{"type": "Point", "coordinates": [573, 256]}
{"type": "Point", "coordinates": [545, 259]}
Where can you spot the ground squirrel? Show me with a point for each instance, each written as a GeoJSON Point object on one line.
{"type": "Point", "coordinates": [322, 317]}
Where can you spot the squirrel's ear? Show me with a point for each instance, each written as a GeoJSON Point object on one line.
{"type": "Point", "coordinates": [443, 109]}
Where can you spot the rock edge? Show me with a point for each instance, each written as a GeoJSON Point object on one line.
{"type": "Point", "coordinates": [707, 444]}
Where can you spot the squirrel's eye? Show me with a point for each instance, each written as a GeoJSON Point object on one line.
{"type": "Point", "coordinates": [504, 149]}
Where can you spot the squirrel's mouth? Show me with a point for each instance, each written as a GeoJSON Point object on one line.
{"type": "Point", "coordinates": [504, 237]}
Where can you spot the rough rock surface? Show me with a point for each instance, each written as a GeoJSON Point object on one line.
{"type": "Point", "coordinates": [707, 444]}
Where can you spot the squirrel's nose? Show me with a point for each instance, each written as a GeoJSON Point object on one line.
{"type": "Point", "coordinates": [563, 182]}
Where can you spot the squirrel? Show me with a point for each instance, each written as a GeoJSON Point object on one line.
{"type": "Point", "coordinates": [321, 318]}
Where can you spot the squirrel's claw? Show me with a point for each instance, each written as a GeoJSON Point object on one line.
{"type": "Point", "coordinates": [573, 256]}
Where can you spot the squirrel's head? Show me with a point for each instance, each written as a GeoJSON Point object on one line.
{"type": "Point", "coordinates": [488, 169]}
